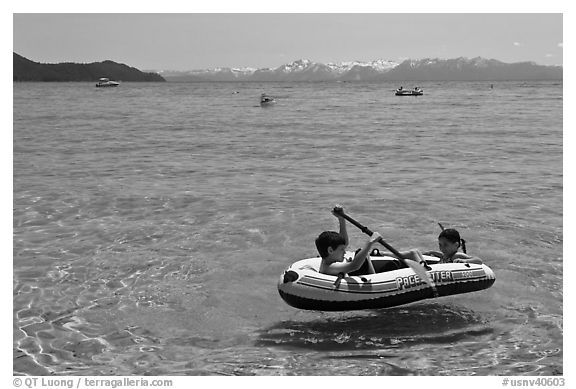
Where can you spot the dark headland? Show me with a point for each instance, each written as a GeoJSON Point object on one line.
{"type": "Point", "coordinates": [27, 70]}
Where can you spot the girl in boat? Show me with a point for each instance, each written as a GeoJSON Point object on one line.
{"type": "Point", "coordinates": [449, 241]}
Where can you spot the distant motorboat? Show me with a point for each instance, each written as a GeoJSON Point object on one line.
{"type": "Point", "coordinates": [409, 92]}
{"type": "Point", "coordinates": [266, 100]}
{"type": "Point", "coordinates": [105, 82]}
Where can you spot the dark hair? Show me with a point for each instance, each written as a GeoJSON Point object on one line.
{"type": "Point", "coordinates": [451, 235]}
{"type": "Point", "coordinates": [328, 239]}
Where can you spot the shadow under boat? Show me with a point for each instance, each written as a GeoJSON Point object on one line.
{"type": "Point", "coordinates": [377, 329]}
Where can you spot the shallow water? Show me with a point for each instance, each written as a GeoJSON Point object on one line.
{"type": "Point", "coordinates": [152, 221]}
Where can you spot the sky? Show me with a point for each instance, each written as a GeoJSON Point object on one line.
{"type": "Point", "coordinates": [186, 41]}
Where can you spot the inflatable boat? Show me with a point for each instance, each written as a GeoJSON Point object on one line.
{"type": "Point", "coordinates": [303, 287]}
{"type": "Point", "coordinates": [407, 92]}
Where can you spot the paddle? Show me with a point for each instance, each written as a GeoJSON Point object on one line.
{"type": "Point", "coordinates": [418, 269]}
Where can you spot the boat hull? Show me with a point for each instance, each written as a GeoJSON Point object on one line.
{"type": "Point", "coordinates": [302, 286]}
{"type": "Point", "coordinates": [409, 93]}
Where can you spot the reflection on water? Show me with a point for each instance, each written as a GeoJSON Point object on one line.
{"type": "Point", "coordinates": [72, 318]}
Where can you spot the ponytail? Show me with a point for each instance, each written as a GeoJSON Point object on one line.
{"type": "Point", "coordinates": [463, 244]}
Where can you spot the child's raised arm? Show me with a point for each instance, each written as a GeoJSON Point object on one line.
{"type": "Point", "coordinates": [342, 222]}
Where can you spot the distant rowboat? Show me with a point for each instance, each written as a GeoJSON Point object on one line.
{"type": "Point", "coordinates": [409, 92]}
{"type": "Point", "coordinates": [266, 100]}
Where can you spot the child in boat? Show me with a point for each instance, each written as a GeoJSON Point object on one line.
{"type": "Point", "coordinates": [449, 241]}
{"type": "Point", "coordinates": [331, 246]}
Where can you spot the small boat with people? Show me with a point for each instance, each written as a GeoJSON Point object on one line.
{"type": "Point", "coordinates": [302, 285]}
{"type": "Point", "coordinates": [383, 281]}
{"type": "Point", "coordinates": [106, 82]}
{"type": "Point", "coordinates": [409, 92]}
{"type": "Point", "coordinates": [266, 100]}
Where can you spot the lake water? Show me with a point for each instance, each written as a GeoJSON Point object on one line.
{"type": "Point", "coordinates": [152, 221]}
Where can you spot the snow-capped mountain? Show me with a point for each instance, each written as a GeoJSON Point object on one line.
{"type": "Point", "coordinates": [432, 69]}
{"type": "Point", "coordinates": [299, 70]}
{"type": "Point", "coordinates": [296, 66]}
{"type": "Point", "coordinates": [379, 65]}
{"type": "Point", "coordinates": [214, 74]}
{"type": "Point", "coordinates": [474, 69]}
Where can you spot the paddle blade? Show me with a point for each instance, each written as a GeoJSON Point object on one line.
{"type": "Point", "coordinates": [421, 272]}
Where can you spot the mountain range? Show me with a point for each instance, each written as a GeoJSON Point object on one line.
{"type": "Point", "coordinates": [458, 69]}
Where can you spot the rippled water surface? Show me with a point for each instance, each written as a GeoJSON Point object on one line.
{"type": "Point", "coordinates": [152, 221]}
